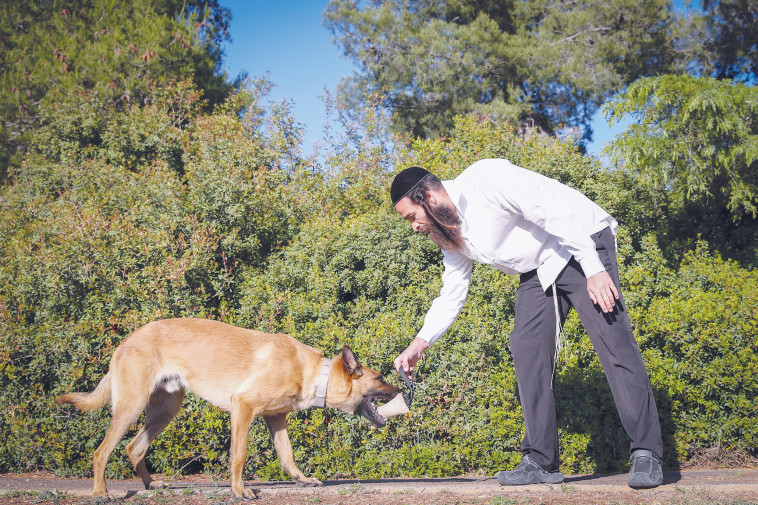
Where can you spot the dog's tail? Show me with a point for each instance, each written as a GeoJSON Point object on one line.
{"type": "Point", "coordinates": [90, 401]}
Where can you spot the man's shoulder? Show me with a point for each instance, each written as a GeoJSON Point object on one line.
{"type": "Point", "coordinates": [488, 168]}
{"type": "Point", "coordinates": [487, 174]}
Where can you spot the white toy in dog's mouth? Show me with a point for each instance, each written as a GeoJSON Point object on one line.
{"type": "Point", "coordinates": [395, 407]}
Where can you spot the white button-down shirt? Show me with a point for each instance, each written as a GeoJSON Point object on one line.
{"type": "Point", "coordinates": [515, 220]}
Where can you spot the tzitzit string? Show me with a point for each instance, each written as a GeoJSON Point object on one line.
{"type": "Point", "coordinates": [560, 337]}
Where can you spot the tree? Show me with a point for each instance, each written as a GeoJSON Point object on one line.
{"type": "Point", "coordinates": [731, 42]}
{"type": "Point", "coordinates": [118, 48]}
{"type": "Point", "coordinates": [549, 63]}
{"type": "Point", "coordinates": [695, 147]}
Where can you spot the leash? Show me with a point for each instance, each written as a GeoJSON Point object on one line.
{"type": "Point", "coordinates": [411, 385]}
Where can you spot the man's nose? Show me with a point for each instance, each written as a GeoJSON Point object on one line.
{"type": "Point", "coordinates": [415, 226]}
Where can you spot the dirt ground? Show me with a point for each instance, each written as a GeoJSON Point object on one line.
{"type": "Point", "coordinates": [685, 487]}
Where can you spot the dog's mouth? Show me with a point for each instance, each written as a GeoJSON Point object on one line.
{"type": "Point", "coordinates": [367, 409]}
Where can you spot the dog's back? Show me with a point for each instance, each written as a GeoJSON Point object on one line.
{"type": "Point", "coordinates": [215, 360]}
{"type": "Point", "coordinates": [212, 359]}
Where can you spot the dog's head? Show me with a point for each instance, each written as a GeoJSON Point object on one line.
{"type": "Point", "coordinates": [354, 388]}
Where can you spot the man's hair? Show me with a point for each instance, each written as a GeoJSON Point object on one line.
{"type": "Point", "coordinates": [430, 182]}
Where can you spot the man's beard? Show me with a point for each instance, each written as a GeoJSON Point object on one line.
{"type": "Point", "coordinates": [444, 227]}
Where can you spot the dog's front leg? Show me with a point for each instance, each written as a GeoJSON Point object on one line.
{"type": "Point", "coordinates": [277, 426]}
{"type": "Point", "coordinates": [242, 415]}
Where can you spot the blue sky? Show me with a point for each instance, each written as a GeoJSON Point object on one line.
{"type": "Point", "coordinates": [286, 38]}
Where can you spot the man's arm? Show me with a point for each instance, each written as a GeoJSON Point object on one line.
{"type": "Point", "coordinates": [444, 310]}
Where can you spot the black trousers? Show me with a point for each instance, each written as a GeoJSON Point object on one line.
{"type": "Point", "coordinates": [533, 348]}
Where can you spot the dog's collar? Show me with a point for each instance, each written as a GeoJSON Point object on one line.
{"type": "Point", "coordinates": [323, 382]}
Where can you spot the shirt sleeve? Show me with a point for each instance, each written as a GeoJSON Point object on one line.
{"type": "Point", "coordinates": [556, 208]}
{"type": "Point", "coordinates": [446, 307]}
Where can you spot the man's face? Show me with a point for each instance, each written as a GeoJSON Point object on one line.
{"type": "Point", "coordinates": [414, 214]}
{"type": "Point", "coordinates": [443, 226]}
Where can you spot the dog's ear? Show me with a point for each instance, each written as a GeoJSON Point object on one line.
{"type": "Point", "coordinates": [350, 362]}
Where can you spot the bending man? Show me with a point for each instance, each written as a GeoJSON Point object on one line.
{"type": "Point", "coordinates": [563, 247]}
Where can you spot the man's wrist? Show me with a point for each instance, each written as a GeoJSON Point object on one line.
{"type": "Point", "coordinates": [420, 344]}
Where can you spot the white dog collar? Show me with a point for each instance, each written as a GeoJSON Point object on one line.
{"type": "Point", "coordinates": [323, 382]}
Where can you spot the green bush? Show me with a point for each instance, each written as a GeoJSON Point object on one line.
{"type": "Point", "coordinates": [217, 216]}
{"type": "Point", "coordinates": [699, 339]}
{"type": "Point", "coordinates": [92, 250]}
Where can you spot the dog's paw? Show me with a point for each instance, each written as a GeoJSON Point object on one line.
{"type": "Point", "coordinates": [247, 494]}
{"type": "Point", "coordinates": [308, 482]}
{"type": "Point", "coordinates": [157, 484]}
{"type": "Point", "coordinates": [105, 497]}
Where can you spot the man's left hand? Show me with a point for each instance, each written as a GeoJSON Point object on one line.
{"type": "Point", "coordinates": [603, 291]}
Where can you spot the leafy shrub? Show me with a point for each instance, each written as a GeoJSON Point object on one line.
{"type": "Point", "coordinates": [699, 339]}
{"type": "Point", "coordinates": [92, 250]}
{"type": "Point", "coordinates": [98, 238]}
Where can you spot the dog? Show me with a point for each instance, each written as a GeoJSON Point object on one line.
{"type": "Point", "coordinates": [248, 373]}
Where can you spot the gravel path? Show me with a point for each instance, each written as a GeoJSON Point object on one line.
{"type": "Point", "coordinates": [686, 486]}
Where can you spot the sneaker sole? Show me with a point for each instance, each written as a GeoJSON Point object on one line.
{"type": "Point", "coordinates": [547, 478]}
{"type": "Point", "coordinates": [644, 485]}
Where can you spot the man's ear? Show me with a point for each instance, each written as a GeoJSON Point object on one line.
{"type": "Point", "coordinates": [431, 198]}
{"type": "Point", "coordinates": [350, 362]}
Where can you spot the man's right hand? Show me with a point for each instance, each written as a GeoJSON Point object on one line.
{"type": "Point", "coordinates": [408, 358]}
{"type": "Point", "coordinates": [602, 291]}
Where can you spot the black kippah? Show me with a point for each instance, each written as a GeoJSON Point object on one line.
{"type": "Point", "coordinates": [405, 181]}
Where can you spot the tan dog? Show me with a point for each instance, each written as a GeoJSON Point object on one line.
{"type": "Point", "coordinates": [246, 372]}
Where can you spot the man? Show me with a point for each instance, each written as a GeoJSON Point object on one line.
{"type": "Point", "coordinates": [563, 246]}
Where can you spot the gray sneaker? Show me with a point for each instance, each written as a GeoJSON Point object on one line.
{"type": "Point", "coordinates": [646, 470]}
{"type": "Point", "coordinates": [528, 472]}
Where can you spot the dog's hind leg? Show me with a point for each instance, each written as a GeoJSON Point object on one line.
{"type": "Point", "coordinates": [125, 414]}
{"type": "Point", "coordinates": [242, 416]}
{"type": "Point", "coordinates": [161, 409]}
{"type": "Point", "coordinates": [131, 384]}
{"type": "Point", "coordinates": [277, 427]}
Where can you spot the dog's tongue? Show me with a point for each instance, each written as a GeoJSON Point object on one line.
{"type": "Point", "coordinates": [394, 407]}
